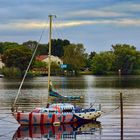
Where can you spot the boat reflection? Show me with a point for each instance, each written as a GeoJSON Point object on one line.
{"type": "Point", "coordinates": [67, 131]}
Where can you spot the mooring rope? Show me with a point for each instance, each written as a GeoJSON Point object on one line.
{"type": "Point", "coordinates": [108, 113]}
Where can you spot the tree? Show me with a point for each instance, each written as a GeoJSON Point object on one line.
{"type": "Point", "coordinates": [41, 50]}
{"type": "Point", "coordinates": [58, 46]}
{"type": "Point", "coordinates": [89, 60]}
{"type": "Point", "coordinates": [127, 58]}
{"type": "Point", "coordinates": [92, 54]}
{"type": "Point", "coordinates": [18, 57]}
{"type": "Point", "coordinates": [1, 47]}
{"type": "Point", "coordinates": [102, 62]}
{"type": "Point", "coordinates": [30, 44]}
{"type": "Point", "coordinates": [74, 55]}
{"type": "Point", "coordinates": [7, 45]}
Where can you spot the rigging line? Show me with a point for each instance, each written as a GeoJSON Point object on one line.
{"type": "Point", "coordinates": [58, 33]}
{"type": "Point", "coordinates": [28, 67]}
{"type": "Point", "coordinates": [107, 113]}
{"type": "Point", "coordinates": [92, 104]}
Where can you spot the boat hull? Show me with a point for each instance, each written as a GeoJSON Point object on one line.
{"type": "Point", "coordinates": [31, 118]}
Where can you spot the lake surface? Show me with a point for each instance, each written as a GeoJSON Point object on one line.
{"type": "Point", "coordinates": [95, 89]}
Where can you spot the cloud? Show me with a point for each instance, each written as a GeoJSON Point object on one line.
{"type": "Point", "coordinates": [124, 7]}
{"type": "Point", "coordinates": [39, 25]}
{"type": "Point", "coordinates": [128, 22]}
{"type": "Point", "coordinates": [66, 24]}
{"type": "Point", "coordinates": [95, 13]}
{"type": "Point", "coordinates": [134, 7]}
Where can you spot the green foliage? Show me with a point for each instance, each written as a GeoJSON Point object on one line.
{"type": "Point", "coordinates": [74, 55]}
{"type": "Point", "coordinates": [58, 46]}
{"type": "Point", "coordinates": [123, 57]}
{"type": "Point", "coordinates": [11, 72]}
{"type": "Point", "coordinates": [136, 72]}
{"type": "Point", "coordinates": [30, 44]}
{"type": "Point", "coordinates": [91, 55]}
{"type": "Point", "coordinates": [18, 57]}
{"type": "Point", "coordinates": [54, 67]}
{"type": "Point", "coordinates": [1, 47]}
{"type": "Point", "coordinates": [39, 64]}
{"type": "Point", "coordinates": [102, 63]}
{"type": "Point", "coordinates": [89, 60]}
{"type": "Point", "coordinates": [127, 58]}
{"type": "Point", "coordinates": [7, 45]}
{"type": "Point", "coordinates": [41, 50]}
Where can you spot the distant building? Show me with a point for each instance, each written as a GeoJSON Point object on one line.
{"type": "Point", "coordinates": [44, 58]}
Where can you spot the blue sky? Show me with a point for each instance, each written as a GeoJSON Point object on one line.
{"type": "Point", "coordinates": [97, 24]}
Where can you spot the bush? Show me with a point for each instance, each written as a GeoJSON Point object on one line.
{"type": "Point", "coordinates": [136, 72]}
{"type": "Point", "coordinates": [11, 72]}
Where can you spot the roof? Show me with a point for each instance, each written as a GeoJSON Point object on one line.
{"type": "Point", "coordinates": [41, 57]}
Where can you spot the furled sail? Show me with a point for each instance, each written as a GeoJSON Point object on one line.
{"type": "Point", "coordinates": [55, 94]}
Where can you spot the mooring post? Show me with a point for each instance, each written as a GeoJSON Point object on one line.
{"type": "Point", "coordinates": [121, 112]}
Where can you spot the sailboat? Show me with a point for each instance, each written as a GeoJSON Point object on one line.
{"type": "Point", "coordinates": [56, 113]}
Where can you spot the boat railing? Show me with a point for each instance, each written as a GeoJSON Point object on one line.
{"type": "Point", "coordinates": [79, 110]}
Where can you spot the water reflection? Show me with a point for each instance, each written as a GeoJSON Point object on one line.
{"type": "Point", "coordinates": [115, 81]}
{"type": "Point", "coordinates": [67, 131]}
{"type": "Point", "coordinates": [81, 82]}
{"type": "Point", "coordinates": [102, 90]}
{"type": "Point", "coordinates": [41, 82]}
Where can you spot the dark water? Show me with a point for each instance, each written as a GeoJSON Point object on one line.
{"type": "Point", "coordinates": [96, 90]}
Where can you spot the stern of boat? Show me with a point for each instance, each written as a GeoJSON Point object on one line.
{"type": "Point", "coordinates": [87, 116]}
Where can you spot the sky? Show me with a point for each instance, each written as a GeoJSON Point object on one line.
{"type": "Point", "coordinates": [97, 24]}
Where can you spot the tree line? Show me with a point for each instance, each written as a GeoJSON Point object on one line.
{"type": "Point", "coordinates": [16, 56]}
{"type": "Point", "coordinates": [122, 58]}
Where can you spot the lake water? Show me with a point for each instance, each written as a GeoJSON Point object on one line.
{"type": "Point", "coordinates": [96, 90]}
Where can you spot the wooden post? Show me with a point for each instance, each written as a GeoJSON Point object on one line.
{"type": "Point", "coordinates": [121, 113]}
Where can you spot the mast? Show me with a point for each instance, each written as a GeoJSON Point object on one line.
{"type": "Point", "coordinates": [49, 54]}
{"type": "Point", "coordinates": [49, 64]}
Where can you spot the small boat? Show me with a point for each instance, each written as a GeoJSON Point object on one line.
{"type": "Point", "coordinates": [57, 113]}
{"type": "Point", "coordinates": [67, 131]}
